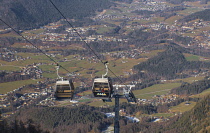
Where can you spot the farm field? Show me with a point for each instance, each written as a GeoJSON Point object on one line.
{"type": "Point", "coordinates": [80, 67]}
{"type": "Point", "coordinates": [202, 94]}
{"type": "Point", "coordinates": [190, 57]}
{"type": "Point", "coordinates": [158, 89]}
{"type": "Point", "coordinates": [190, 79]}
{"type": "Point", "coordinates": [183, 107]}
{"type": "Point", "coordinates": [10, 86]}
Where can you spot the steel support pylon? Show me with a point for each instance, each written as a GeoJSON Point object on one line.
{"type": "Point", "coordinates": [116, 120]}
{"type": "Point", "coordinates": [130, 98]}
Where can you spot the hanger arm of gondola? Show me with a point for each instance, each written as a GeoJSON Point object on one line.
{"type": "Point", "coordinates": [57, 69]}
{"type": "Point", "coordinates": [105, 63]}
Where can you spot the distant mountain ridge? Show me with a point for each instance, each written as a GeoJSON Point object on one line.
{"type": "Point", "coordinates": [27, 14]}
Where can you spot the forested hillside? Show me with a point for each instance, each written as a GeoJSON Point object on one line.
{"type": "Point", "coordinates": [27, 14]}
{"type": "Point", "coordinates": [194, 88]}
{"type": "Point", "coordinates": [61, 119]}
{"type": "Point", "coordinates": [169, 63]}
{"type": "Point", "coordinates": [204, 15]}
{"type": "Point", "coordinates": [65, 119]}
{"type": "Point", "coordinates": [181, 1]}
{"type": "Point", "coordinates": [81, 119]}
{"type": "Point", "coordinates": [195, 120]}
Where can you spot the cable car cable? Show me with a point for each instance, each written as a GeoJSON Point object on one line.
{"type": "Point", "coordinates": [74, 29]}
{"type": "Point", "coordinates": [40, 50]}
{"type": "Point", "coordinates": [62, 83]}
{"type": "Point", "coordinates": [33, 45]}
{"type": "Point", "coordinates": [83, 39]}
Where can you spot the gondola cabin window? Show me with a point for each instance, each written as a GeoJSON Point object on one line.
{"type": "Point", "coordinates": [102, 88]}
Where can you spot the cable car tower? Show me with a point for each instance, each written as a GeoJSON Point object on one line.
{"type": "Point", "coordinates": [128, 94]}
{"type": "Point", "coordinates": [64, 88]}
{"type": "Point", "coordinates": [103, 89]}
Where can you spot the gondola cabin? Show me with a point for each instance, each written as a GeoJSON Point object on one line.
{"type": "Point", "coordinates": [64, 90]}
{"type": "Point", "coordinates": [102, 88]}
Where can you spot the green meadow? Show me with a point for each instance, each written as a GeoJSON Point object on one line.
{"type": "Point", "coordinates": [10, 86]}
{"type": "Point", "coordinates": [202, 94]}
{"type": "Point", "coordinates": [83, 68]}
{"type": "Point", "coordinates": [183, 107]}
{"type": "Point", "coordinates": [9, 68]}
{"type": "Point", "coordinates": [190, 57]}
{"type": "Point", "coordinates": [189, 11]}
{"type": "Point", "coordinates": [158, 89]}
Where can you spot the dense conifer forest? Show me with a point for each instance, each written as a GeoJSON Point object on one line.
{"type": "Point", "coordinates": [60, 119]}
{"type": "Point", "coordinates": [195, 120]}
{"type": "Point", "coordinates": [194, 88]}
{"type": "Point", "coordinates": [27, 14]}
{"type": "Point", "coordinates": [169, 63]}
{"type": "Point", "coordinates": [197, 15]}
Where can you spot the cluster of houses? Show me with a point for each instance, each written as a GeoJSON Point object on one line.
{"type": "Point", "coordinates": [67, 37]}
{"type": "Point", "coordinates": [20, 100]}
{"type": "Point", "coordinates": [122, 112]}
{"type": "Point", "coordinates": [33, 70]}
{"type": "Point", "coordinates": [133, 53]}
{"type": "Point", "coordinates": [71, 34]}
{"type": "Point", "coordinates": [9, 56]}
{"type": "Point", "coordinates": [135, 6]}
{"type": "Point", "coordinates": [150, 5]}
{"type": "Point", "coordinates": [159, 99]}
{"type": "Point", "coordinates": [47, 102]}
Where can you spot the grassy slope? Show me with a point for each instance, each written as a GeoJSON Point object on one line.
{"type": "Point", "coordinates": [158, 89]}
{"type": "Point", "coordinates": [183, 107]}
{"type": "Point", "coordinates": [10, 86]}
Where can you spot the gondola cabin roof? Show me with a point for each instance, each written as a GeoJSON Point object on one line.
{"type": "Point", "coordinates": [101, 80]}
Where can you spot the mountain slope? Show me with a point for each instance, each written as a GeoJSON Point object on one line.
{"type": "Point", "coordinates": [204, 15]}
{"type": "Point", "coordinates": [63, 119]}
{"type": "Point", "coordinates": [196, 120]}
{"type": "Point", "coordinates": [25, 14]}
{"type": "Point", "coordinates": [169, 64]}
{"type": "Point", "coordinates": [193, 88]}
